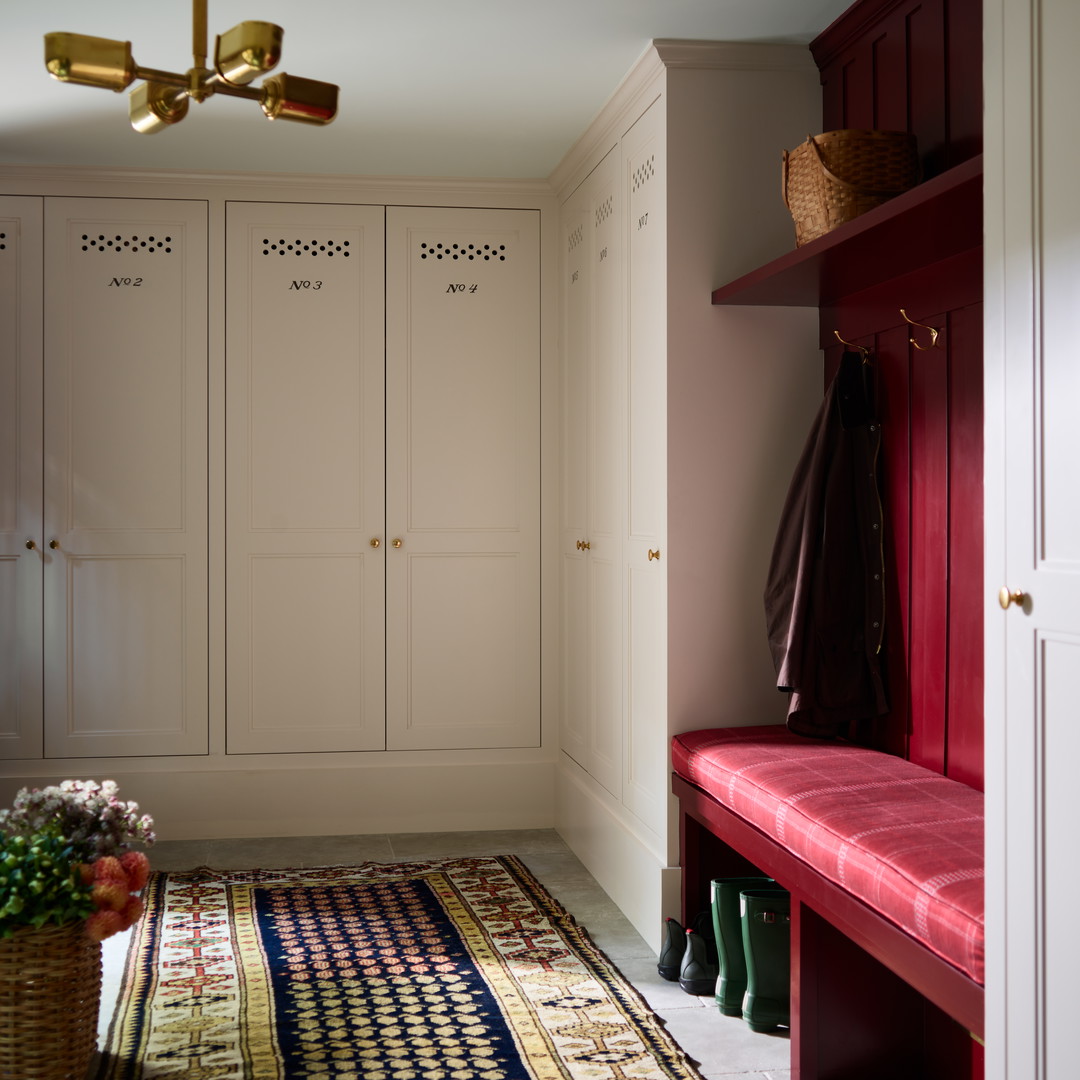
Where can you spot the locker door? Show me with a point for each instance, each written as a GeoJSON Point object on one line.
{"type": "Point", "coordinates": [20, 477]}
{"type": "Point", "coordinates": [125, 561]}
{"type": "Point", "coordinates": [304, 475]}
{"type": "Point", "coordinates": [606, 475]}
{"type": "Point", "coordinates": [646, 513]}
{"type": "Point", "coordinates": [463, 478]}
{"type": "Point", "coordinates": [575, 268]}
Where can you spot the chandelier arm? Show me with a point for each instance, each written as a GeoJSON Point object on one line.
{"type": "Point", "coordinates": [212, 84]}
{"type": "Point", "coordinates": [166, 78]}
{"type": "Point", "coordinates": [220, 86]}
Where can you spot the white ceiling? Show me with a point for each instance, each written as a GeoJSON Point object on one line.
{"type": "Point", "coordinates": [475, 88]}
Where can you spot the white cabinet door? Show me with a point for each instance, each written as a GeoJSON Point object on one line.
{"type": "Point", "coordinates": [575, 270]}
{"type": "Point", "coordinates": [1033, 538]}
{"type": "Point", "coordinates": [462, 496]}
{"type": "Point", "coordinates": [305, 467]}
{"type": "Point", "coordinates": [593, 395]}
{"type": "Point", "coordinates": [606, 476]}
{"type": "Point", "coordinates": [644, 184]}
{"type": "Point", "coordinates": [125, 489]}
{"type": "Point", "coordinates": [20, 477]}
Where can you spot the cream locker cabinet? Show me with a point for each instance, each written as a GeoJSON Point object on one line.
{"type": "Point", "coordinates": [21, 560]}
{"type": "Point", "coordinates": [123, 541]}
{"type": "Point", "coordinates": [382, 496]}
{"type": "Point", "coordinates": [593, 470]}
{"type": "Point", "coordinates": [463, 478]}
{"type": "Point", "coordinates": [710, 412]}
{"type": "Point", "coordinates": [305, 552]}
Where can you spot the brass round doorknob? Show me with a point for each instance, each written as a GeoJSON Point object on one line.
{"type": "Point", "coordinates": [54, 544]}
{"type": "Point", "coordinates": [1009, 596]}
{"type": "Point", "coordinates": [396, 543]}
{"type": "Point", "coordinates": [375, 541]}
{"type": "Point", "coordinates": [29, 545]}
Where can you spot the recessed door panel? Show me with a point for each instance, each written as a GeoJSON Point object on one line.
{"type": "Point", "coordinates": [312, 667]}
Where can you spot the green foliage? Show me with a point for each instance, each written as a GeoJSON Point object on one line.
{"type": "Point", "coordinates": [40, 882]}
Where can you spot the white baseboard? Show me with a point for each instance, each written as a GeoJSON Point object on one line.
{"type": "Point", "coordinates": [320, 801]}
{"type": "Point", "coordinates": [624, 860]}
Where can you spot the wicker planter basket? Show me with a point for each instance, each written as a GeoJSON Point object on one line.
{"type": "Point", "coordinates": [50, 992]}
{"type": "Point", "coordinates": [835, 177]}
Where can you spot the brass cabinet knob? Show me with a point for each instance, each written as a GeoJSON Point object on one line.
{"type": "Point", "coordinates": [654, 554]}
{"type": "Point", "coordinates": [54, 544]}
{"type": "Point", "coordinates": [375, 541]}
{"type": "Point", "coordinates": [586, 545]}
{"type": "Point", "coordinates": [29, 545]}
{"type": "Point", "coordinates": [1014, 596]}
{"type": "Point", "coordinates": [395, 542]}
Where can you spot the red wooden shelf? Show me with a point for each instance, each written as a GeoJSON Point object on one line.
{"type": "Point", "coordinates": [936, 220]}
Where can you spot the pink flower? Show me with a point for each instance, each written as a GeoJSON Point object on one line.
{"type": "Point", "coordinates": [110, 895]}
{"type": "Point", "coordinates": [137, 867]}
{"type": "Point", "coordinates": [103, 924]}
{"type": "Point", "coordinates": [132, 912]}
{"type": "Point", "coordinates": [110, 869]}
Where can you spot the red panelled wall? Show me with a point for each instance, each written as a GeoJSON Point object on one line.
{"type": "Point", "coordinates": [916, 66]}
{"type": "Point", "coordinates": [907, 65]}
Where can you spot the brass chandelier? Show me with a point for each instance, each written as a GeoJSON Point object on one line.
{"type": "Point", "coordinates": [243, 53]}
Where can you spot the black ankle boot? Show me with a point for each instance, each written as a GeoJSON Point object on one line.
{"type": "Point", "coordinates": [671, 953]}
{"type": "Point", "coordinates": [699, 968]}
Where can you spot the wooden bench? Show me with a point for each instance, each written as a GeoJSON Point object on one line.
{"type": "Point", "coordinates": [884, 863]}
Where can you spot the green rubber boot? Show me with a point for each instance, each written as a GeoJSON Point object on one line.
{"type": "Point", "coordinates": [727, 929]}
{"type": "Point", "coordinates": [766, 934]}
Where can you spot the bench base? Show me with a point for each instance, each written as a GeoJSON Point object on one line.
{"type": "Point", "coordinates": [867, 1000]}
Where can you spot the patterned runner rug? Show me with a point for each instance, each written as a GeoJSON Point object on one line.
{"type": "Point", "coordinates": [455, 969]}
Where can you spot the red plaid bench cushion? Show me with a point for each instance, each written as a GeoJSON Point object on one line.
{"type": "Point", "coordinates": [906, 841]}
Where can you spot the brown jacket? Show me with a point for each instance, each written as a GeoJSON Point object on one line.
{"type": "Point", "coordinates": [825, 593]}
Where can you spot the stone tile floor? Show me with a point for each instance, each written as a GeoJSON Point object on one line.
{"type": "Point", "coordinates": [723, 1047]}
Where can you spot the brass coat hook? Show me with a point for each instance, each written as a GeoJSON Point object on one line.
{"type": "Point", "coordinates": [933, 332]}
{"type": "Point", "coordinates": [851, 345]}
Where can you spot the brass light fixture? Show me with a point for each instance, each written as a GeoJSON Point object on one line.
{"type": "Point", "coordinates": [242, 54]}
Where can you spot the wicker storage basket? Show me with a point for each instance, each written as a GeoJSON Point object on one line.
{"type": "Point", "coordinates": [50, 992]}
{"type": "Point", "coordinates": [837, 176]}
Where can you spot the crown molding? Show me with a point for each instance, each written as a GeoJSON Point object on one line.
{"type": "Point", "coordinates": [55, 179]}
{"type": "Point", "coordinates": [643, 83]}
{"type": "Point", "coordinates": [733, 55]}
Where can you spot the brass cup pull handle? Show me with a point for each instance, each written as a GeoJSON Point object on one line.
{"type": "Point", "coordinates": [654, 554]}
{"type": "Point", "coordinates": [375, 542]}
{"type": "Point", "coordinates": [29, 545]}
{"type": "Point", "coordinates": [396, 543]}
{"type": "Point", "coordinates": [54, 544]}
{"type": "Point", "coordinates": [1009, 596]}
